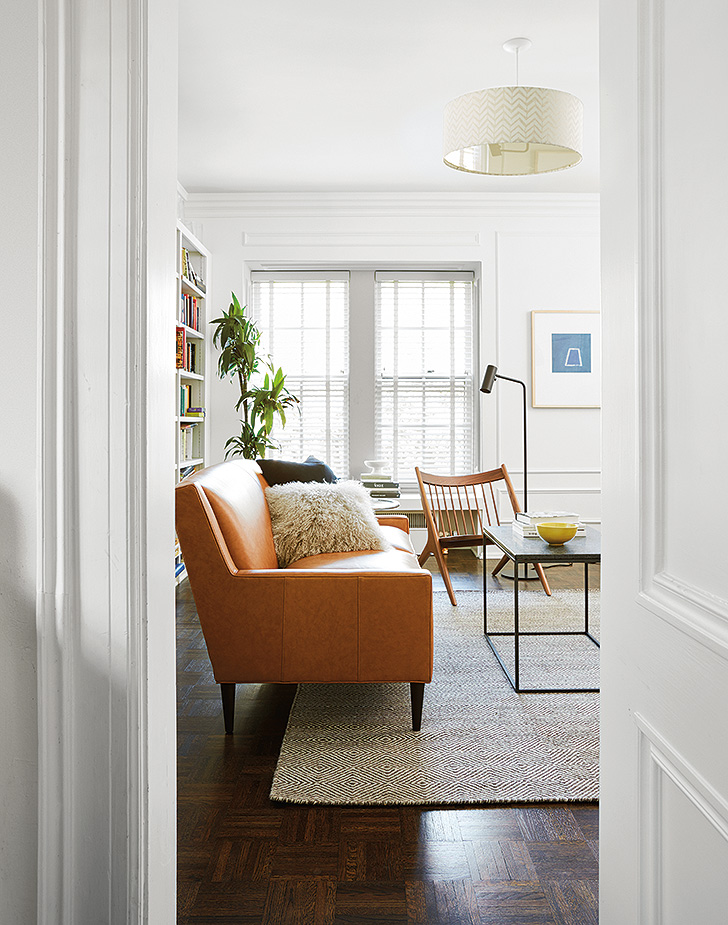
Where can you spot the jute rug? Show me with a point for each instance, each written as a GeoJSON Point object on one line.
{"type": "Point", "coordinates": [480, 741]}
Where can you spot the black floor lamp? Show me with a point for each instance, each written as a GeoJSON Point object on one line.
{"type": "Point", "coordinates": [491, 374]}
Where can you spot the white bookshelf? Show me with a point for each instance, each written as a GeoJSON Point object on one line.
{"type": "Point", "coordinates": [192, 317]}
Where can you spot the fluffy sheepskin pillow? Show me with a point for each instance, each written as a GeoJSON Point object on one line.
{"type": "Point", "coordinates": [310, 518]}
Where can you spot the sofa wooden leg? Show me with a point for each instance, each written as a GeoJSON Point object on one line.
{"type": "Point", "coordinates": [417, 694]}
{"type": "Point", "coordinates": [227, 691]}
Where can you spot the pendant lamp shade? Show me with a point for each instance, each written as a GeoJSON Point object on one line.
{"type": "Point", "coordinates": [512, 131]}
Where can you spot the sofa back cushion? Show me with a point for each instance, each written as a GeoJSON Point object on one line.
{"type": "Point", "coordinates": [235, 492]}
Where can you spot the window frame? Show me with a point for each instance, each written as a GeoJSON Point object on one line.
{"type": "Point", "coordinates": [362, 316]}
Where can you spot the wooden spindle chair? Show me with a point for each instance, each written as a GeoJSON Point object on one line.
{"type": "Point", "coordinates": [456, 507]}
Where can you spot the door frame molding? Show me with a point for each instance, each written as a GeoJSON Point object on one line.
{"type": "Point", "coordinates": [106, 796]}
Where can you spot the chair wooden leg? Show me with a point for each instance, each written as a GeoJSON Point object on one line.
{"type": "Point", "coordinates": [428, 551]}
{"type": "Point", "coordinates": [542, 575]}
{"type": "Point", "coordinates": [433, 548]}
{"type": "Point", "coordinates": [445, 574]}
{"type": "Point", "coordinates": [500, 565]}
{"type": "Point", "coordinates": [227, 691]}
{"type": "Point", "coordinates": [417, 695]}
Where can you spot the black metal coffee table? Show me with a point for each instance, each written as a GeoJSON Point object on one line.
{"type": "Point", "coordinates": [586, 549]}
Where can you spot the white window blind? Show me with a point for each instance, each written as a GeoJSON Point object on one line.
{"type": "Point", "coordinates": [304, 322]}
{"type": "Point", "coordinates": [424, 372]}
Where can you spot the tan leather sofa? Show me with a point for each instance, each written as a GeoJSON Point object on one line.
{"type": "Point", "coordinates": [342, 617]}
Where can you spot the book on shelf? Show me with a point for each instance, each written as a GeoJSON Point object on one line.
{"type": "Point", "coordinates": [384, 493]}
{"type": "Point", "coordinates": [181, 347]}
{"type": "Point", "coordinates": [540, 517]}
{"type": "Point", "coordinates": [191, 357]}
{"type": "Point", "coordinates": [189, 272]}
{"type": "Point", "coordinates": [195, 413]}
{"type": "Point", "coordinates": [187, 470]}
{"type": "Point", "coordinates": [179, 567]}
{"type": "Point", "coordinates": [380, 483]}
{"type": "Point", "coordinates": [530, 531]}
{"type": "Point", "coordinates": [190, 311]}
{"type": "Point", "coordinates": [185, 399]}
{"type": "Point", "coordinates": [186, 438]}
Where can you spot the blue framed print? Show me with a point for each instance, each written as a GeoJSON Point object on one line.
{"type": "Point", "coordinates": [566, 362]}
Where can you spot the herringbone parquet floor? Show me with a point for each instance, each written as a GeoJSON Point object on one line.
{"type": "Point", "coordinates": [243, 859]}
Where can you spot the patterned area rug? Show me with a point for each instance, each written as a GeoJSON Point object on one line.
{"type": "Point", "coordinates": [480, 741]}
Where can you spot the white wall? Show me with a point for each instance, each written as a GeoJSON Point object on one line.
{"type": "Point", "coordinates": [18, 535]}
{"type": "Point", "coordinates": [536, 252]}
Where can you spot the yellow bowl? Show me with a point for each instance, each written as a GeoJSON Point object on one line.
{"type": "Point", "coordinates": [556, 534]}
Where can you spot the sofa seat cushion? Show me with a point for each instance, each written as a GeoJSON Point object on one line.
{"type": "Point", "coordinates": [392, 560]}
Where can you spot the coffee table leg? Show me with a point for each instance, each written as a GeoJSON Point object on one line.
{"type": "Point", "coordinates": [485, 594]}
{"type": "Point", "coordinates": [515, 616]}
{"type": "Point", "coordinates": [586, 597]}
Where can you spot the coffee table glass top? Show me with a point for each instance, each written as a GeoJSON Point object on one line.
{"type": "Point", "coordinates": [585, 548]}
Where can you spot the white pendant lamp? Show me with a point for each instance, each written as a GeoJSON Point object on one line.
{"type": "Point", "coordinates": [513, 131]}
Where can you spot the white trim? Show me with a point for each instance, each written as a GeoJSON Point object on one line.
{"type": "Point", "coordinates": [553, 490]}
{"type": "Point", "coordinates": [56, 489]}
{"type": "Point", "coordinates": [659, 760]}
{"type": "Point", "coordinates": [268, 239]}
{"type": "Point", "coordinates": [389, 276]}
{"type": "Point", "coordinates": [701, 616]}
{"type": "Point", "coordinates": [104, 844]}
{"type": "Point", "coordinates": [557, 471]}
{"type": "Point", "coordinates": [284, 276]}
{"type": "Point", "coordinates": [651, 335]}
{"type": "Point", "coordinates": [244, 205]}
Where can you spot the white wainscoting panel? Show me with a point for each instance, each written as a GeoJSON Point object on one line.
{"type": "Point", "coordinates": [685, 838]}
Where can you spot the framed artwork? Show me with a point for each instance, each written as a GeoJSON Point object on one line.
{"type": "Point", "coordinates": [566, 367]}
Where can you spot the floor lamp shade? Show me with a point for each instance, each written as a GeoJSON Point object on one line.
{"type": "Point", "coordinates": [513, 131]}
{"type": "Point", "coordinates": [488, 379]}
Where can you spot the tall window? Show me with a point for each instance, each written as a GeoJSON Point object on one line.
{"type": "Point", "coordinates": [397, 385]}
{"type": "Point", "coordinates": [424, 372]}
{"type": "Point", "coordinates": [304, 320]}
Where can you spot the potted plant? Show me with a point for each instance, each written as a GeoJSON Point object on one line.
{"type": "Point", "coordinates": [238, 338]}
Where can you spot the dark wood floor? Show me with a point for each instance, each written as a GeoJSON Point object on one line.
{"type": "Point", "coordinates": [243, 859]}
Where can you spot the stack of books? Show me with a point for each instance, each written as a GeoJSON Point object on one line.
{"type": "Point", "coordinates": [526, 521]}
{"type": "Point", "coordinates": [380, 485]}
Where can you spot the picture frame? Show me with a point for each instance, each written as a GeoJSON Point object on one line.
{"type": "Point", "coordinates": [565, 359]}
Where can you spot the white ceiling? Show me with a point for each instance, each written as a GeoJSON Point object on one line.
{"type": "Point", "coordinates": [314, 95]}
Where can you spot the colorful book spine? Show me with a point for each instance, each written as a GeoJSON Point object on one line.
{"type": "Point", "coordinates": [181, 348]}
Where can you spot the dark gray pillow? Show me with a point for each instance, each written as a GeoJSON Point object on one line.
{"type": "Point", "coordinates": [279, 471]}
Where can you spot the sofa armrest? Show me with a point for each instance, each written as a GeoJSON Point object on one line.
{"type": "Point", "coordinates": [394, 520]}
{"type": "Point", "coordinates": [322, 625]}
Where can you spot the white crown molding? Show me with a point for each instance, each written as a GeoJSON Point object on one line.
{"type": "Point", "coordinates": [269, 239]}
{"type": "Point", "coordinates": [385, 205]}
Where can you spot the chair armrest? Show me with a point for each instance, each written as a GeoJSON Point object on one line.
{"type": "Point", "coordinates": [394, 520]}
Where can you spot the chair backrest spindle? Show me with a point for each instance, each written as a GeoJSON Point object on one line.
{"type": "Point", "coordinates": [458, 507]}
